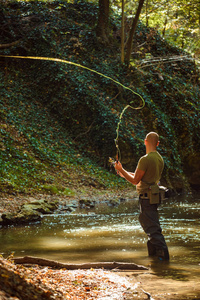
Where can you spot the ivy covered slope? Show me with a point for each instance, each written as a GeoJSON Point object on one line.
{"type": "Point", "coordinates": [58, 120]}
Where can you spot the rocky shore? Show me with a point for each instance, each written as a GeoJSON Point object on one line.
{"type": "Point", "coordinates": [19, 210]}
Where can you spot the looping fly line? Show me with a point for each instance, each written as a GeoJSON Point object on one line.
{"type": "Point", "coordinates": [100, 74]}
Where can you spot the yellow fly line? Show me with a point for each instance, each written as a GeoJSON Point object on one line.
{"type": "Point", "coordinates": [100, 74]}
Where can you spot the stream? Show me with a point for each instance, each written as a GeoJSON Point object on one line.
{"type": "Point", "coordinates": [112, 234]}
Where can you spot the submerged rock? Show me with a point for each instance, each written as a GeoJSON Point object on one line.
{"type": "Point", "coordinates": [113, 202]}
{"type": "Point", "coordinates": [86, 203]}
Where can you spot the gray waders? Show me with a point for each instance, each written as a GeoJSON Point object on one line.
{"type": "Point", "coordinates": [149, 221]}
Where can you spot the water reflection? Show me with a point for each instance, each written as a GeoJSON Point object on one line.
{"type": "Point", "coordinates": [112, 234]}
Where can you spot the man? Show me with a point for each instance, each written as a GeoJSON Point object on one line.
{"type": "Point", "coordinates": [146, 176]}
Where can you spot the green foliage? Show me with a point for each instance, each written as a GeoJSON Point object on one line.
{"type": "Point", "coordinates": [55, 117]}
{"type": "Point", "coordinates": [176, 21]}
{"type": "Point", "coordinates": [58, 190]}
{"type": "Point", "coordinates": [37, 153]}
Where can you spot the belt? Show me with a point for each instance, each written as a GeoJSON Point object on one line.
{"type": "Point", "coordinates": [144, 196]}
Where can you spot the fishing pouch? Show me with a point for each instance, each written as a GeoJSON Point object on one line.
{"type": "Point", "coordinates": [157, 193]}
{"type": "Point", "coordinates": [154, 194]}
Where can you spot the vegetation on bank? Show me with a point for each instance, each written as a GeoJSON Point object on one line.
{"type": "Point", "coordinates": [38, 155]}
{"type": "Point", "coordinates": [58, 121]}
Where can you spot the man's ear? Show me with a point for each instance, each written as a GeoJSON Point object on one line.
{"type": "Point", "coordinates": [158, 143]}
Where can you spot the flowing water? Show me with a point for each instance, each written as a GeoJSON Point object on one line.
{"type": "Point", "coordinates": [112, 234]}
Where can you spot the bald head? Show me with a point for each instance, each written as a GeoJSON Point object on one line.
{"type": "Point", "coordinates": [153, 139]}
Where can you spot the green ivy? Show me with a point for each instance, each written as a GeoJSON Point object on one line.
{"type": "Point", "coordinates": [59, 116]}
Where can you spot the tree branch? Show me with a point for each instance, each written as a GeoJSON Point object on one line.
{"type": "Point", "coordinates": [95, 265]}
{"type": "Point", "coordinates": [4, 46]}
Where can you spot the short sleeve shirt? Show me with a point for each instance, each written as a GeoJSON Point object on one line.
{"type": "Point", "coordinates": [152, 164]}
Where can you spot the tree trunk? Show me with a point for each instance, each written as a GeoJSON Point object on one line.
{"type": "Point", "coordinates": [147, 17]}
{"type": "Point", "coordinates": [132, 32]}
{"type": "Point", "coordinates": [102, 29]}
{"type": "Point", "coordinates": [55, 264]}
{"type": "Point", "coordinates": [165, 23]}
{"type": "Point", "coordinates": [122, 34]}
{"type": "Point", "coordinates": [164, 28]}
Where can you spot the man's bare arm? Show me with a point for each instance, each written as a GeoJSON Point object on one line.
{"type": "Point", "coordinates": [133, 178]}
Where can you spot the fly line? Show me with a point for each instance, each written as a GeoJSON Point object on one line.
{"type": "Point", "coordinates": [98, 73]}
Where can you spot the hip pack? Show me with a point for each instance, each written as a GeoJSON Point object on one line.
{"type": "Point", "coordinates": [156, 193]}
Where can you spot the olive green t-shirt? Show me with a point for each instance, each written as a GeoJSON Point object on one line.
{"type": "Point", "coordinates": [153, 164]}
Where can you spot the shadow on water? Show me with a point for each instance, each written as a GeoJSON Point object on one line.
{"type": "Point", "coordinates": [113, 234]}
{"type": "Point", "coordinates": [169, 272]}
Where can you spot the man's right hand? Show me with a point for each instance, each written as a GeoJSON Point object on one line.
{"type": "Point", "coordinates": [118, 166]}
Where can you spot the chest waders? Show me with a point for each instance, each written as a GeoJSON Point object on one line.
{"type": "Point", "coordinates": [149, 220]}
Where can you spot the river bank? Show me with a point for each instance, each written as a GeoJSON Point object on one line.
{"type": "Point", "coordinates": [25, 209]}
{"type": "Point", "coordinates": [26, 282]}
{"type": "Point", "coordinates": [11, 203]}
{"type": "Point", "coordinates": [98, 283]}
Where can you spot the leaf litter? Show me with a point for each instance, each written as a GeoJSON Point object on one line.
{"type": "Point", "coordinates": [74, 284]}
{"type": "Point", "coordinates": [83, 284]}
